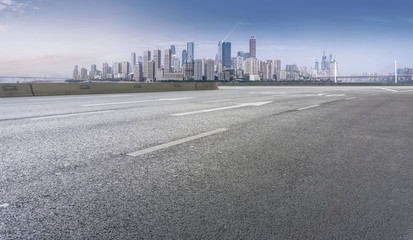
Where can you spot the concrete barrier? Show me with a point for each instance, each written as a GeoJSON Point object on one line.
{"type": "Point", "coordinates": [15, 90]}
{"type": "Point", "coordinates": [50, 89]}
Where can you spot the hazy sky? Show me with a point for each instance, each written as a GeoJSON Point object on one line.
{"type": "Point", "coordinates": [51, 36]}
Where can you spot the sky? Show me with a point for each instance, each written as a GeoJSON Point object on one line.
{"type": "Point", "coordinates": [52, 36]}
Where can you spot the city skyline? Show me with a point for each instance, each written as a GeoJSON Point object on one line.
{"type": "Point", "coordinates": [53, 36]}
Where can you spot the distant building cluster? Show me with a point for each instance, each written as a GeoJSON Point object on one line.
{"type": "Point", "coordinates": [153, 66]}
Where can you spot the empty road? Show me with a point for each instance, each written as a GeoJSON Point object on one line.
{"type": "Point", "coordinates": [236, 163]}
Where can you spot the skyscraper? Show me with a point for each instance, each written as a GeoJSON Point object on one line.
{"type": "Point", "coordinates": [167, 62]}
{"type": "Point", "coordinates": [173, 51]}
{"type": "Point", "coordinates": [157, 58]}
{"type": "Point", "coordinates": [209, 70]}
{"type": "Point", "coordinates": [184, 56]}
{"type": "Point", "coordinates": [198, 69]}
{"type": "Point", "coordinates": [190, 50]}
{"type": "Point", "coordinates": [219, 59]}
{"type": "Point", "coordinates": [253, 47]}
{"type": "Point", "coordinates": [146, 59]}
{"type": "Point", "coordinates": [133, 59]}
{"type": "Point", "coordinates": [226, 54]}
{"type": "Point", "coordinates": [105, 71]}
{"type": "Point", "coordinates": [92, 72]}
{"type": "Point", "coordinates": [137, 72]}
{"type": "Point", "coordinates": [76, 73]}
{"type": "Point", "coordinates": [125, 70]}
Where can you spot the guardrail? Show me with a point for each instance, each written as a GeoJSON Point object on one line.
{"type": "Point", "coordinates": [51, 89]}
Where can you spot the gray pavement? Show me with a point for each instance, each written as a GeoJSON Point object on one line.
{"type": "Point", "coordinates": [237, 163]}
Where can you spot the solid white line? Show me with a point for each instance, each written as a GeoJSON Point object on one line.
{"type": "Point", "coordinates": [387, 89]}
{"type": "Point", "coordinates": [351, 98]}
{"type": "Point", "coordinates": [177, 142]}
{"type": "Point", "coordinates": [406, 91]}
{"type": "Point", "coordinates": [304, 108]}
{"type": "Point", "coordinates": [141, 101]}
{"type": "Point", "coordinates": [222, 108]}
{"type": "Point", "coordinates": [69, 115]}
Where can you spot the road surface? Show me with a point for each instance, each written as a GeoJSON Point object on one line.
{"type": "Point", "coordinates": [236, 163]}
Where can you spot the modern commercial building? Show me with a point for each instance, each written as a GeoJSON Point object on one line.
{"type": "Point", "coordinates": [151, 71]}
{"type": "Point", "coordinates": [105, 71]}
{"type": "Point", "coordinates": [173, 50]}
{"type": "Point", "coordinates": [184, 56]}
{"type": "Point", "coordinates": [146, 59]}
{"type": "Point", "coordinates": [198, 73]}
{"type": "Point", "coordinates": [219, 58]}
{"type": "Point", "coordinates": [167, 62]}
{"type": "Point", "coordinates": [138, 72]}
{"type": "Point", "coordinates": [253, 47]}
{"type": "Point", "coordinates": [83, 74]}
{"type": "Point", "coordinates": [76, 73]}
{"type": "Point", "coordinates": [125, 70]}
{"type": "Point", "coordinates": [210, 69]}
{"type": "Point", "coordinates": [190, 48]}
{"type": "Point", "coordinates": [133, 59]}
{"type": "Point", "coordinates": [157, 58]}
{"type": "Point", "coordinates": [226, 54]}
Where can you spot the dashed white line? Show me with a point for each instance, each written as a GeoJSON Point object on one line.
{"type": "Point", "coordinates": [351, 98]}
{"type": "Point", "coordinates": [177, 142]}
{"type": "Point", "coordinates": [219, 100]}
{"type": "Point", "coordinates": [140, 101]}
{"type": "Point", "coordinates": [222, 108]}
{"type": "Point", "coordinates": [4, 205]}
{"type": "Point", "coordinates": [70, 115]}
{"type": "Point", "coordinates": [387, 89]}
{"type": "Point", "coordinates": [304, 108]}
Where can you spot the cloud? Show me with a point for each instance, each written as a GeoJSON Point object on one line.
{"type": "Point", "coordinates": [2, 27]}
{"type": "Point", "coordinates": [11, 5]}
{"type": "Point", "coordinates": [45, 59]}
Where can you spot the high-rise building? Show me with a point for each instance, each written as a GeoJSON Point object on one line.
{"type": "Point", "coordinates": [76, 73]}
{"type": "Point", "coordinates": [226, 54]}
{"type": "Point", "coordinates": [140, 59]}
{"type": "Point", "coordinates": [167, 63]}
{"type": "Point", "coordinates": [317, 66]}
{"type": "Point", "coordinates": [177, 65]}
{"type": "Point", "coordinates": [151, 70]}
{"type": "Point", "coordinates": [157, 58]}
{"type": "Point", "coordinates": [253, 47]}
{"type": "Point", "coordinates": [137, 72]}
{"type": "Point", "coordinates": [237, 62]}
{"type": "Point", "coordinates": [209, 70]}
{"type": "Point", "coordinates": [117, 70]}
{"type": "Point", "coordinates": [133, 59]}
{"type": "Point", "coordinates": [105, 71]}
{"type": "Point", "coordinates": [125, 70]}
{"type": "Point", "coordinates": [219, 59]}
{"type": "Point", "coordinates": [277, 69]}
{"type": "Point", "coordinates": [198, 69]}
{"type": "Point", "coordinates": [173, 50]}
{"type": "Point", "coordinates": [190, 48]}
{"type": "Point", "coordinates": [146, 59]}
{"type": "Point", "coordinates": [83, 74]}
{"type": "Point", "coordinates": [93, 71]}
{"type": "Point", "coordinates": [184, 56]}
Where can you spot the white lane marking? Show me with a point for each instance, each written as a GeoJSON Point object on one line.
{"type": "Point", "coordinates": [406, 91]}
{"type": "Point", "coordinates": [256, 104]}
{"type": "Point", "coordinates": [177, 142]}
{"type": "Point", "coordinates": [140, 101]}
{"type": "Point", "coordinates": [304, 108]}
{"type": "Point", "coordinates": [219, 100]}
{"type": "Point", "coordinates": [387, 89]}
{"type": "Point", "coordinates": [351, 98]}
{"type": "Point", "coordinates": [335, 95]}
{"type": "Point", "coordinates": [4, 205]}
{"type": "Point", "coordinates": [70, 115]}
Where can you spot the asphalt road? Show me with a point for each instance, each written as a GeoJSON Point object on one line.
{"type": "Point", "coordinates": [237, 163]}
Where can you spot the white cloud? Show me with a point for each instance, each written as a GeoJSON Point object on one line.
{"type": "Point", "coordinates": [2, 27]}
{"type": "Point", "coordinates": [11, 5]}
